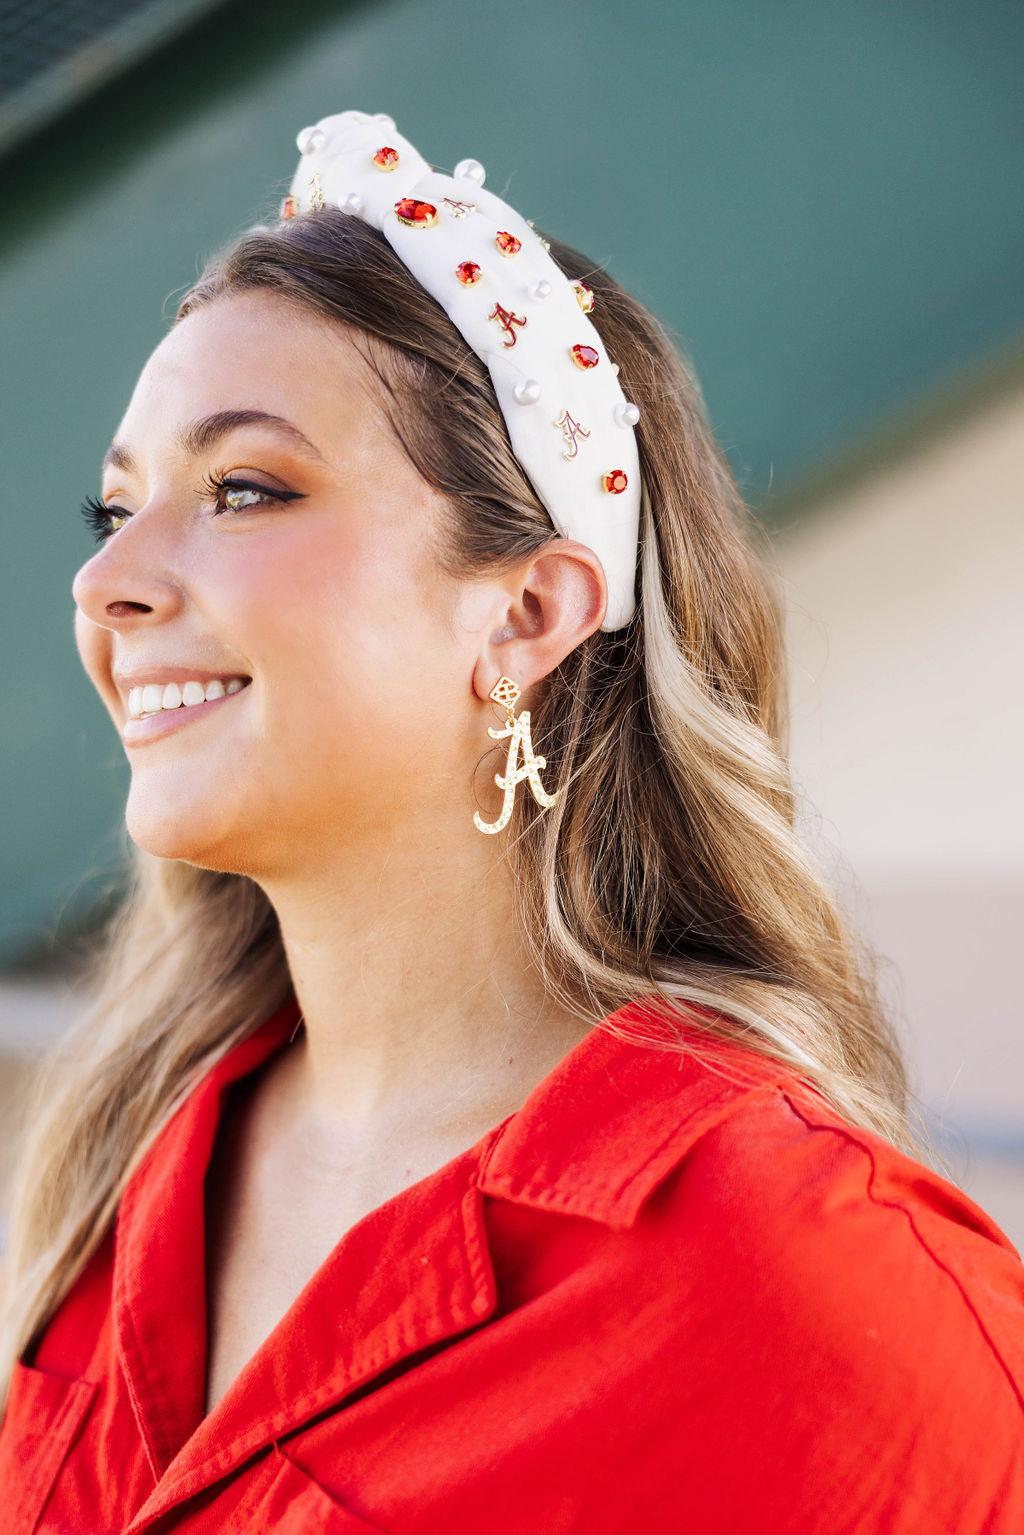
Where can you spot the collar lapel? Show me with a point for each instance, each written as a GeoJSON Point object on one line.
{"type": "Point", "coordinates": [619, 1113]}
{"type": "Point", "coordinates": [159, 1287]}
{"type": "Point", "coordinates": [593, 1140]}
{"type": "Point", "coordinates": [405, 1278]}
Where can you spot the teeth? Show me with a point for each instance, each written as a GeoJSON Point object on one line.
{"type": "Point", "coordinates": [155, 696]}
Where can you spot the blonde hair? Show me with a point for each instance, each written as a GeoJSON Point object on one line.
{"type": "Point", "coordinates": [669, 868]}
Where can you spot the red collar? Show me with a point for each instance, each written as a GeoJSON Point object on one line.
{"type": "Point", "coordinates": [593, 1140]}
{"type": "Point", "coordinates": [617, 1115]}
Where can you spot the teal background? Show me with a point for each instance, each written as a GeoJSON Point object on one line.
{"type": "Point", "coordinates": [821, 201]}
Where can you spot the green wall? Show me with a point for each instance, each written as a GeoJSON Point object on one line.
{"type": "Point", "coordinates": [821, 200]}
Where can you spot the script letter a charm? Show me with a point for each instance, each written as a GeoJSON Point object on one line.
{"type": "Point", "coordinates": [517, 731]}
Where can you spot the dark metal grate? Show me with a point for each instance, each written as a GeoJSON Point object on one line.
{"type": "Point", "coordinates": [55, 53]}
{"type": "Point", "coordinates": [37, 34]}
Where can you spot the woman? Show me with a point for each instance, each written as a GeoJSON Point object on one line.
{"type": "Point", "coordinates": [414, 1179]}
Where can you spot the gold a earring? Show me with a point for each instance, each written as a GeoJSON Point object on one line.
{"type": "Point", "coordinates": [505, 692]}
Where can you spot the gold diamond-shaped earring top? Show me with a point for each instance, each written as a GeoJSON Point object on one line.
{"type": "Point", "coordinates": [505, 692]}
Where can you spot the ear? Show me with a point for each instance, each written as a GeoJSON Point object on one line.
{"type": "Point", "coordinates": [553, 602]}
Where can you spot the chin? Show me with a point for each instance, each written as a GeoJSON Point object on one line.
{"type": "Point", "coordinates": [196, 834]}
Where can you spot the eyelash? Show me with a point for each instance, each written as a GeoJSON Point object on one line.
{"type": "Point", "coordinates": [100, 516]}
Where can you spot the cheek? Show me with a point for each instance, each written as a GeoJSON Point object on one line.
{"type": "Point", "coordinates": [354, 650]}
{"type": "Point", "coordinates": [359, 603]}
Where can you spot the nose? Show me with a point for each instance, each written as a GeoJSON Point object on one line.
{"type": "Point", "coordinates": [130, 581]}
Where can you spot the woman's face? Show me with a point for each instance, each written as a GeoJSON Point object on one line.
{"type": "Point", "coordinates": [309, 592]}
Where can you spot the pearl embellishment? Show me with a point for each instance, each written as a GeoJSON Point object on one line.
{"type": "Point", "coordinates": [569, 417]}
{"type": "Point", "coordinates": [470, 170]}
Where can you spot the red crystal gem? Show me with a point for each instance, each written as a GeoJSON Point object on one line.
{"type": "Point", "coordinates": [615, 481]}
{"type": "Point", "coordinates": [507, 244]}
{"type": "Point", "coordinates": [584, 297]}
{"type": "Point", "coordinates": [584, 356]}
{"type": "Point", "coordinates": [409, 210]}
{"type": "Point", "coordinates": [386, 159]}
{"type": "Point", "coordinates": [289, 207]}
{"type": "Point", "coordinates": [468, 273]}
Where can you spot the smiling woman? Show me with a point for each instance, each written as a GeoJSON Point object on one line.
{"type": "Point", "coordinates": [411, 1179]}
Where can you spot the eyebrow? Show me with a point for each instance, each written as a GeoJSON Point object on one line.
{"type": "Point", "coordinates": [205, 432]}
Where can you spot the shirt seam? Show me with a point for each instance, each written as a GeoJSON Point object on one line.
{"type": "Point", "coordinates": [900, 1208]}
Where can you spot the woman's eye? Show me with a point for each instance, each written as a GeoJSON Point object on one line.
{"type": "Point", "coordinates": [238, 497]}
{"type": "Point", "coordinates": [103, 520]}
{"type": "Point", "coordinates": [227, 496]}
{"type": "Point", "coordinates": [230, 495]}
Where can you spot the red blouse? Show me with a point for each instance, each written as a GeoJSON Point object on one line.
{"type": "Point", "coordinates": [662, 1297]}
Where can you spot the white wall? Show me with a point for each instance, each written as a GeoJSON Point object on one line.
{"type": "Point", "coordinates": [906, 640]}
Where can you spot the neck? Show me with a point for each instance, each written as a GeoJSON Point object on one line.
{"type": "Point", "coordinates": [416, 989]}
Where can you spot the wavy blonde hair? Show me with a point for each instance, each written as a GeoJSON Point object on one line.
{"type": "Point", "coordinates": [669, 868]}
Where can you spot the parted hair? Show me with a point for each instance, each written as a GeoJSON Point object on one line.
{"type": "Point", "coordinates": [669, 867]}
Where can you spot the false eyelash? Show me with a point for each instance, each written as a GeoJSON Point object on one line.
{"type": "Point", "coordinates": [97, 514]}
{"type": "Point", "coordinates": [97, 517]}
{"type": "Point", "coordinates": [214, 484]}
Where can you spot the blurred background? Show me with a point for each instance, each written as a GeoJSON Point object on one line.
{"type": "Point", "coordinates": [821, 200]}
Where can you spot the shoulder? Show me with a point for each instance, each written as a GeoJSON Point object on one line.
{"type": "Point", "coordinates": [785, 1307]}
{"type": "Point", "coordinates": [833, 1230]}
{"type": "Point", "coordinates": [726, 1162]}
{"type": "Point", "coordinates": [854, 1311]}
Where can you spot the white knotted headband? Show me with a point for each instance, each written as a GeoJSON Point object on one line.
{"type": "Point", "coordinates": [570, 425]}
